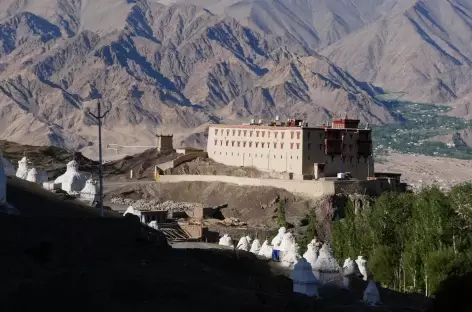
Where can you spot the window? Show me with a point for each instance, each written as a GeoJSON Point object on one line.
{"type": "Point", "coordinates": [244, 144]}
{"type": "Point", "coordinates": [227, 142]}
{"type": "Point", "coordinates": [216, 142]}
{"type": "Point", "coordinates": [239, 132]}
{"type": "Point", "coordinates": [221, 142]}
{"type": "Point", "coordinates": [231, 154]}
{"type": "Point", "coordinates": [263, 133]}
{"type": "Point", "coordinates": [321, 135]}
{"type": "Point", "coordinates": [282, 134]}
{"type": "Point", "coordinates": [275, 134]}
{"type": "Point", "coordinates": [249, 154]}
{"type": "Point", "coordinates": [350, 135]}
{"type": "Point", "coordinates": [298, 135]}
{"type": "Point", "coordinates": [268, 134]}
{"type": "Point", "coordinates": [350, 159]}
{"type": "Point", "coordinates": [257, 134]}
{"type": "Point", "coordinates": [250, 144]}
{"type": "Point", "coordinates": [291, 157]}
{"type": "Point", "coordinates": [239, 143]}
{"type": "Point", "coordinates": [227, 132]}
{"type": "Point", "coordinates": [234, 132]}
{"type": "Point", "coordinates": [308, 135]}
{"type": "Point", "coordinates": [275, 145]}
{"type": "Point", "coordinates": [332, 158]}
{"type": "Point", "coordinates": [281, 145]}
{"type": "Point", "coordinates": [250, 133]}
{"type": "Point", "coordinates": [350, 147]}
{"type": "Point", "coordinates": [292, 134]}
{"type": "Point", "coordinates": [262, 145]}
{"type": "Point", "coordinates": [257, 144]}
{"type": "Point", "coordinates": [298, 145]}
{"type": "Point", "coordinates": [245, 132]}
{"type": "Point", "coordinates": [321, 147]}
{"type": "Point", "coordinates": [232, 143]}
{"type": "Point", "coordinates": [309, 145]}
{"type": "Point", "coordinates": [291, 145]}
{"type": "Point", "coordinates": [274, 156]}
{"type": "Point", "coordinates": [216, 131]}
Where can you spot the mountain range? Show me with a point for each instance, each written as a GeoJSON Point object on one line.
{"type": "Point", "coordinates": [170, 67]}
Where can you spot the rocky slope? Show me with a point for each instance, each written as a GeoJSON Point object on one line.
{"type": "Point", "coordinates": [159, 69]}
{"type": "Point", "coordinates": [424, 51]}
{"type": "Point", "coordinates": [314, 23]}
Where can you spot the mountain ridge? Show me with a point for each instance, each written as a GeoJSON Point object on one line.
{"type": "Point", "coordinates": [167, 68]}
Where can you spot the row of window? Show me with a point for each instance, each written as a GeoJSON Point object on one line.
{"type": "Point", "coordinates": [258, 133]}
{"type": "Point", "coordinates": [257, 144]}
{"type": "Point", "coordinates": [351, 158]}
{"type": "Point", "coordinates": [255, 155]}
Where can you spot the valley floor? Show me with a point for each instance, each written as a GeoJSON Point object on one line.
{"type": "Point", "coordinates": [419, 170]}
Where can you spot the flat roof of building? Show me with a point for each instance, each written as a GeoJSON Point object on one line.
{"type": "Point", "coordinates": [267, 127]}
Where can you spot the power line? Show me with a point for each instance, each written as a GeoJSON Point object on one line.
{"type": "Point", "coordinates": [99, 118]}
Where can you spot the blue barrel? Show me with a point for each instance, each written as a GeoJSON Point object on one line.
{"type": "Point", "coordinates": [276, 255]}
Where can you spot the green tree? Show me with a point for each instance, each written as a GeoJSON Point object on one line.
{"type": "Point", "coordinates": [311, 232]}
{"type": "Point", "coordinates": [384, 265]}
{"type": "Point", "coordinates": [281, 220]}
{"type": "Point", "coordinates": [461, 200]}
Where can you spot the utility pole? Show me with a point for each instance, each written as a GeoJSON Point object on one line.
{"type": "Point", "coordinates": [99, 118]}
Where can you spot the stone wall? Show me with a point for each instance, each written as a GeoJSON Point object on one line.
{"type": "Point", "coordinates": [307, 188]}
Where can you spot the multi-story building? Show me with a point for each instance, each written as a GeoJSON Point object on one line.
{"type": "Point", "coordinates": [293, 147]}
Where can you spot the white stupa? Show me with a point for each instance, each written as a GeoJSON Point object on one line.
{"type": "Point", "coordinates": [131, 210]}
{"type": "Point", "coordinates": [304, 281]}
{"type": "Point", "coordinates": [226, 240]}
{"type": "Point", "coordinates": [255, 247]}
{"type": "Point", "coordinates": [310, 254]}
{"type": "Point", "coordinates": [8, 167]}
{"type": "Point", "coordinates": [278, 238]}
{"type": "Point", "coordinates": [243, 244]}
{"type": "Point", "coordinates": [266, 250]}
{"type": "Point", "coordinates": [291, 255]}
{"type": "Point", "coordinates": [362, 265]}
{"type": "Point", "coordinates": [288, 240]}
{"type": "Point", "coordinates": [326, 268]}
{"type": "Point", "coordinates": [350, 270]}
{"type": "Point", "coordinates": [153, 224]}
{"type": "Point", "coordinates": [371, 294]}
{"type": "Point", "coordinates": [36, 176]}
{"type": "Point", "coordinates": [72, 181]}
{"type": "Point", "coordinates": [90, 191]}
{"type": "Point", "coordinates": [22, 171]}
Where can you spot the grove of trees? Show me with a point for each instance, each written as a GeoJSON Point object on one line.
{"type": "Point", "coordinates": [412, 241]}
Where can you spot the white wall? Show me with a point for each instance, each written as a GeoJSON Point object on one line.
{"type": "Point", "coordinates": [306, 188]}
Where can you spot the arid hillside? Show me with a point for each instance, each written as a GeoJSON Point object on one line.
{"type": "Point", "coordinates": [157, 68]}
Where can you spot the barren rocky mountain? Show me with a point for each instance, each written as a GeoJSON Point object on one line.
{"type": "Point", "coordinates": [159, 69]}
{"type": "Point", "coordinates": [314, 23]}
{"type": "Point", "coordinates": [422, 52]}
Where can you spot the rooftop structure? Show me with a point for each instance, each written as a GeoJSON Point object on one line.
{"type": "Point", "coordinates": [295, 148]}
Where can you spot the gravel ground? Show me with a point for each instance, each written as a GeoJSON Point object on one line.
{"type": "Point", "coordinates": [424, 170]}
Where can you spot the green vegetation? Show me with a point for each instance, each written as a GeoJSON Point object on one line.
{"type": "Point", "coordinates": [422, 122]}
{"type": "Point", "coordinates": [310, 222]}
{"type": "Point", "coordinates": [281, 220]}
{"type": "Point", "coordinates": [412, 241]}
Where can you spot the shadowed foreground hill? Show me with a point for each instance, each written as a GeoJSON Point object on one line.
{"type": "Point", "coordinates": [70, 258]}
